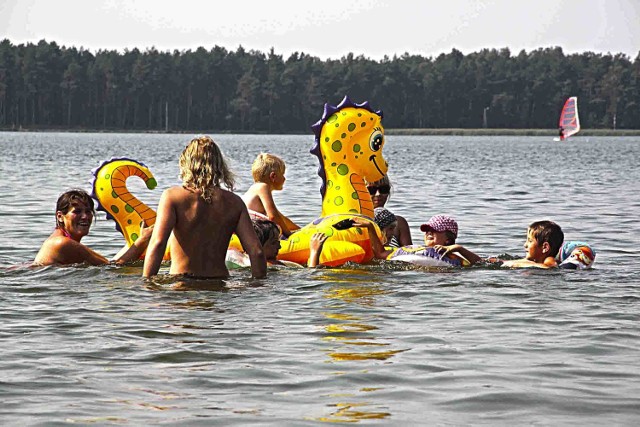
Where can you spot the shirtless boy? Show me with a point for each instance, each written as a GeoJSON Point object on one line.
{"type": "Point", "coordinates": [268, 175]}
{"type": "Point", "coordinates": [199, 217]}
{"type": "Point", "coordinates": [544, 239]}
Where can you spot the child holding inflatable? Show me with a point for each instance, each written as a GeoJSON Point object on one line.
{"type": "Point", "coordinates": [199, 218]}
{"type": "Point", "coordinates": [268, 175]}
{"type": "Point", "coordinates": [268, 234]}
{"type": "Point", "coordinates": [441, 232]}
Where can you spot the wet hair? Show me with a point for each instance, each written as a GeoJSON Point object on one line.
{"type": "Point", "coordinates": [70, 198]}
{"type": "Point", "coordinates": [203, 168]}
{"type": "Point", "coordinates": [550, 232]}
{"type": "Point", "coordinates": [264, 164]}
{"type": "Point", "coordinates": [264, 229]}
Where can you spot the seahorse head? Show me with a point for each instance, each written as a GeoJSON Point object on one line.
{"type": "Point", "coordinates": [349, 139]}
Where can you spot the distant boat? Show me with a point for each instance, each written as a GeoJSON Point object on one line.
{"type": "Point", "coordinates": [569, 123]}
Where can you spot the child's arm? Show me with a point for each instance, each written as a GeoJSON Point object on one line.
{"type": "Point", "coordinates": [466, 253]}
{"type": "Point", "coordinates": [266, 198]}
{"type": "Point", "coordinates": [376, 245]}
{"type": "Point", "coordinates": [165, 221]}
{"type": "Point", "coordinates": [315, 248]}
{"type": "Point", "coordinates": [549, 262]}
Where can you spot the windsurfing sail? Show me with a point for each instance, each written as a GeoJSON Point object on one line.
{"type": "Point", "coordinates": [569, 121]}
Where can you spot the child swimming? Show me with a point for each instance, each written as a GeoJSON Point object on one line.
{"type": "Point", "coordinates": [544, 239]}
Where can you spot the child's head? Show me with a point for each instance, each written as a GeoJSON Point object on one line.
{"type": "Point", "coordinates": [544, 239]}
{"type": "Point", "coordinates": [440, 230]}
{"type": "Point", "coordinates": [269, 236]}
{"type": "Point", "coordinates": [202, 167]}
{"type": "Point", "coordinates": [269, 169]}
{"type": "Point", "coordinates": [387, 222]}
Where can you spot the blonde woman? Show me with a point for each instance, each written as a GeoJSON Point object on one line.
{"type": "Point", "coordinates": [198, 218]}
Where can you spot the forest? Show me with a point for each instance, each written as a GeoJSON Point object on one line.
{"type": "Point", "coordinates": [47, 86]}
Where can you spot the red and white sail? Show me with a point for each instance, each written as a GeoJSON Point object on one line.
{"type": "Point", "coordinates": [569, 120]}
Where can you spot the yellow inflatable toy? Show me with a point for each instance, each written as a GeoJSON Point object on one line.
{"type": "Point", "coordinates": [110, 190]}
{"type": "Point", "coordinates": [348, 142]}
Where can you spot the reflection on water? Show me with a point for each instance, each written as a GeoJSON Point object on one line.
{"type": "Point", "coordinates": [353, 335]}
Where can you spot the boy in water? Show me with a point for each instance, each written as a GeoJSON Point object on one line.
{"type": "Point", "coordinates": [269, 236]}
{"type": "Point", "coordinates": [268, 175]}
{"type": "Point", "coordinates": [199, 217]}
{"type": "Point", "coordinates": [544, 239]}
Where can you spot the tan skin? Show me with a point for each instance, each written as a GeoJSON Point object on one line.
{"type": "Point", "coordinates": [258, 198]}
{"type": "Point", "coordinates": [199, 234]}
{"type": "Point", "coordinates": [436, 239]}
{"type": "Point", "coordinates": [402, 231]}
{"type": "Point", "coordinates": [272, 246]}
{"type": "Point", "coordinates": [537, 255]}
{"type": "Point", "coordinates": [64, 249]}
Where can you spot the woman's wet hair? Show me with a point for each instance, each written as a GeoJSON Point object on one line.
{"type": "Point", "coordinates": [69, 199]}
{"type": "Point", "coordinates": [203, 168]}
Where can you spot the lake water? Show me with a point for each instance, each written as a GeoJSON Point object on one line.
{"type": "Point", "coordinates": [374, 345]}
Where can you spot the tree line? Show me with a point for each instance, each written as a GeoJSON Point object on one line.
{"type": "Point", "coordinates": [44, 85]}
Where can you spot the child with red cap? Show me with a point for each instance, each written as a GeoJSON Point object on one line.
{"type": "Point", "coordinates": [440, 236]}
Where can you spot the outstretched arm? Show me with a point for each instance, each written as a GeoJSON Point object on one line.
{"type": "Point", "coordinates": [466, 253]}
{"type": "Point", "coordinates": [285, 224]}
{"type": "Point", "coordinates": [549, 262]}
{"type": "Point", "coordinates": [133, 252]}
{"type": "Point", "coordinates": [376, 245]}
{"type": "Point", "coordinates": [315, 249]}
{"type": "Point", "coordinates": [165, 222]}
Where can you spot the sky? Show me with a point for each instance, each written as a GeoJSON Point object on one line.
{"type": "Point", "coordinates": [330, 29]}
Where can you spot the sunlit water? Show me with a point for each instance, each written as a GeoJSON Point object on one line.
{"type": "Point", "coordinates": [367, 344]}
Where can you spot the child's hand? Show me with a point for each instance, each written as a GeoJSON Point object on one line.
{"type": "Point", "coordinates": [145, 232]}
{"type": "Point", "coordinates": [444, 250]}
{"type": "Point", "coordinates": [361, 222]}
{"type": "Point", "coordinates": [316, 242]}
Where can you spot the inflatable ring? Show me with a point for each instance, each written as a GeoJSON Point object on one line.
{"type": "Point", "coordinates": [426, 256]}
{"type": "Point", "coordinates": [576, 256]}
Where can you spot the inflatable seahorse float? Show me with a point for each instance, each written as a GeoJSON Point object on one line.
{"type": "Point", "coordinates": [348, 143]}
{"type": "Point", "coordinates": [110, 190]}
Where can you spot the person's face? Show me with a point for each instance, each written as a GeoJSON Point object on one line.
{"type": "Point", "coordinates": [389, 231]}
{"type": "Point", "coordinates": [535, 251]}
{"type": "Point", "coordinates": [271, 247]}
{"type": "Point", "coordinates": [278, 179]}
{"type": "Point", "coordinates": [432, 238]}
{"type": "Point", "coordinates": [379, 194]}
{"type": "Point", "coordinates": [77, 221]}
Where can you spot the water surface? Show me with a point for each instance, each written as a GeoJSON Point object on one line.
{"type": "Point", "coordinates": [371, 345]}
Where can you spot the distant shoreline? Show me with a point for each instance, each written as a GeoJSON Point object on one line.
{"type": "Point", "coordinates": [388, 131]}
